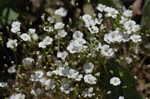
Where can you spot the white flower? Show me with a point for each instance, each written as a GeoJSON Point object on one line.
{"type": "Point", "coordinates": [3, 84]}
{"type": "Point", "coordinates": [131, 26]}
{"type": "Point", "coordinates": [15, 26]}
{"type": "Point", "coordinates": [61, 71]}
{"type": "Point", "coordinates": [88, 67]}
{"type": "Point", "coordinates": [50, 19]}
{"type": "Point", "coordinates": [66, 88]}
{"type": "Point", "coordinates": [114, 36]}
{"type": "Point", "coordinates": [88, 20]}
{"type": "Point", "coordinates": [61, 12]}
{"type": "Point", "coordinates": [73, 74]}
{"type": "Point", "coordinates": [31, 31]}
{"type": "Point", "coordinates": [123, 20]}
{"type": "Point", "coordinates": [25, 37]}
{"type": "Point", "coordinates": [128, 60]}
{"type": "Point", "coordinates": [34, 36]}
{"type": "Point", "coordinates": [42, 45]}
{"type": "Point", "coordinates": [93, 29]}
{"type": "Point", "coordinates": [100, 7]}
{"type": "Point", "coordinates": [37, 75]}
{"type": "Point", "coordinates": [61, 34]}
{"type": "Point", "coordinates": [111, 12]}
{"type": "Point", "coordinates": [90, 23]}
{"type": "Point", "coordinates": [135, 38]}
{"type": "Point", "coordinates": [107, 51]}
{"type": "Point", "coordinates": [48, 83]}
{"type": "Point", "coordinates": [12, 44]}
{"type": "Point", "coordinates": [36, 92]}
{"type": "Point", "coordinates": [79, 77]}
{"type": "Point", "coordinates": [127, 13]}
{"type": "Point", "coordinates": [99, 46]}
{"type": "Point", "coordinates": [108, 92]}
{"type": "Point", "coordinates": [77, 35]}
{"type": "Point", "coordinates": [88, 92]}
{"type": "Point", "coordinates": [98, 20]}
{"type": "Point", "coordinates": [12, 69]}
{"type": "Point", "coordinates": [59, 25]}
{"type": "Point", "coordinates": [62, 55]}
{"type": "Point", "coordinates": [115, 81]}
{"type": "Point", "coordinates": [90, 79]}
{"type": "Point", "coordinates": [76, 46]}
{"type": "Point", "coordinates": [28, 61]}
{"type": "Point", "coordinates": [17, 96]}
{"type": "Point", "coordinates": [48, 28]}
{"type": "Point", "coordinates": [121, 97]}
{"type": "Point", "coordinates": [47, 41]}
{"type": "Point", "coordinates": [43, 16]}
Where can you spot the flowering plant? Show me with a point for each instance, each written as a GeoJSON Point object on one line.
{"type": "Point", "coordinates": [85, 58]}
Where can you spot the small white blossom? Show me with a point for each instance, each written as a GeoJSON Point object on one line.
{"type": "Point", "coordinates": [25, 37]}
{"type": "Point", "coordinates": [48, 83]}
{"type": "Point", "coordinates": [17, 96]}
{"type": "Point", "coordinates": [43, 16]}
{"type": "Point", "coordinates": [59, 25]}
{"type": "Point", "coordinates": [127, 13]}
{"type": "Point", "coordinates": [48, 28]}
{"type": "Point", "coordinates": [90, 79]}
{"type": "Point", "coordinates": [50, 19]}
{"type": "Point", "coordinates": [111, 12]}
{"type": "Point", "coordinates": [107, 51]}
{"type": "Point", "coordinates": [28, 61]}
{"type": "Point", "coordinates": [115, 81]}
{"type": "Point", "coordinates": [98, 20]}
{"type": "Point", "coordinates": [15, 27]}
{"type": "Point", "coordinates": [36, 92]}
{"type": "Point", "coordinates": [66, 88]}
{"type": "Point", "coordinates": [77, 35]}
{"type": "Point", "coordinates": [88, 20]}
{"type": "Point", "coordinates": [37, 75]}
{"type": "Point", "coordinates": [88, 67]}
{"type": "Point", "coordinates": [61, 12]}
{"type": "Point", "coordinates": [62, 55]}
{"type": "Point", "coordinates": [90, 23]}
{"type": "Point", "coordinates": [74, 74]}
{"type": "Point", "coordinates": [42, 45]}
{"type": "Point", "coordinates": [88, 92]}
{"type": "Point", "coordinates": [12, 69]}
{"type": "Point", "coordinates": [3, 84]}
{"type": "Point", "coordinates": [108, 92]}
{"type": "Point", "coordinates": [131, 26]}
{"type": "Point", "coordinates": [31, 31]}
{"type": "Point", "coordinates": [12, 44]}
{"type": "Point", "coordinates": [94, 29]}
{"type": "Point", "coordinates": [34, 36]}
{"type": "Point", "coordinates": [76, 46]}
{"type": "Point", "coordinates": [114, 36]}
{"type": "Point", "coordinates": [121, 97]}
{"type": "Point", "coordinates": [128, 60]}
{"type": "Point", "coordinates": [47, 41]}
{"type": "Point", "coordinates": [100, 7]}
{"type": "Point", "coordinates": [61, 34]}
{"type": "Point", "coordinates": [135, 38]}
{"type": "Point", "coordinates": [123, 20]}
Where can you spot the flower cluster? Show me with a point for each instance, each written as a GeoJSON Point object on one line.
{"type": "Point", "coordinates": [69, 60]}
